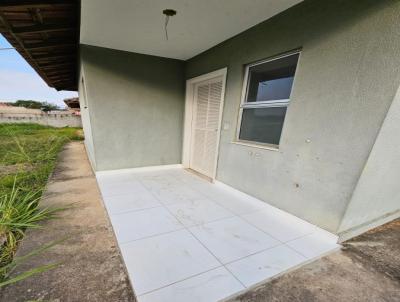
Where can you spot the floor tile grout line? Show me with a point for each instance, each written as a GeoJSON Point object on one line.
{"type": "Point", "coordinates": [205, 198]}
{"type": "Point", "coordinates": [180, 280]}
{"type": "Point", "coordinates": [301, 236]}
{"type": "Point", "coordinates": [208, 198]}
{"type": "Point", "coordinates": [202, 181]}
{"type": "Point", "coordinates": [133, 211]}
{"type": "Point", "coordinates": [315, 231]}
{"type": "Point", "coordinates": [255, 253]}
{"type": "Point", "coordinates": [224, 265]}
{"type": "Point", "coordinates": [214, 256]}
{"type": "Point", "coordinates": [237, 278]}
{"type": "Point", "coordinates": [298, 252]}
{"type": "Point", "coordinates": [235, 215]}
{"type": "Point", "coordinates": [117, 195]}
{"type": "Point", "coordinates": [305, 261]}
{"type": "Point", "coordinates": [268, 279]}
{"type": "Point", "coordinates": [202, 244]}
{"type": "Point", "coordinates": [238, 215]}
{"type": "Point", "coordinates": [273, 237]}
{"type": "Point", "coordinates": [186, 228]}
{"type": "Point", "coordinates": [283, 243]}
{"type": "Point", "coordinates": [180, 229]}
{"type": "Point", "coordinates": [201, 224]}
{"type": "Point", "coordinates": [151, 236]}
{"type": "Point", "coordinates": [220, 204]}
{"type": "Point", "coordinates": [316, 228]}
{"type": "Point", "coordinates": [179, 181]}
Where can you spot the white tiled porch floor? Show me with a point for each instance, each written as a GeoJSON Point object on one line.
{"type": "Point", "coordinates": [185, 239]}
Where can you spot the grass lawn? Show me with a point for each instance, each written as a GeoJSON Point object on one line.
{"type": "Point", "coordinates": [28, 154]}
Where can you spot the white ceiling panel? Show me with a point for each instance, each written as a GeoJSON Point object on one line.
{"type": "Point", "coordinates": [138, 25]}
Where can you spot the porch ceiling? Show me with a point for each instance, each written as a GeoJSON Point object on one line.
{"type": "Point", "coordinates": [138, 25]}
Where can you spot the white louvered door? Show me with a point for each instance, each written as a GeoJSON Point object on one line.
{"type": "Point", "coordinates": [205, 125]}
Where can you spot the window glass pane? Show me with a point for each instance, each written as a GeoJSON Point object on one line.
{"type": "Point", "coordinates": [272, 80]}
{"type": "Point", "coordinates": [263, 125]}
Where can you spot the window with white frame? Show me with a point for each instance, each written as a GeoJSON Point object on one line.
{"type": "Point", "coordinates": [268, 85]}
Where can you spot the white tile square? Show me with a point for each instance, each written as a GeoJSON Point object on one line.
{"type": "Point", "coordinates": [118, 204]}
{"type": "Point", "coordinates": [232, 202]}
{"type": "Point", "coordinates": [266, 264]}
{"type": "Point", "coordinates": [122, 188]}
{"type": "Point", "coordinates": [190, 178]}
{"type": "Point", "coordinates": [176, 193]}
{"type": "Point", "coordinates": [154, 183]}
{"type": "Point", "coordinates": [197, 212]}
{"type": "Point", "coordinates": [232, 238]}
{"type": "Point", "coordinates": [140, 224]}
{"type": "Point", "coordinates": [114, 178]}
{"type": "Point", "coordinates": [211, 286]}
{"type": "Point", "coordinates": [279, 225]}
{"type": "Point", "coordinates": [159, 261]}
{"type": "Point", "coordinates": [314, 245]}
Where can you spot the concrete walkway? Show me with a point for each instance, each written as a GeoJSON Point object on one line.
{"type": "Point", "coordinates": [91, 268]}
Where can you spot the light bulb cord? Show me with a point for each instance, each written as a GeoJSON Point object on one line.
{"type": "Point", "coordinates": [165, 26]}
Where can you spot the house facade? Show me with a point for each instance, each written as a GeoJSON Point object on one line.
{"type": "Point", "coordinates": [300, 111]}
{"type": "Point", "coordinates": [296, 103]}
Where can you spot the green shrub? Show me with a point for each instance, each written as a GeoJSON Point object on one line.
{"type": "Point", "coordinates": [19, 211]}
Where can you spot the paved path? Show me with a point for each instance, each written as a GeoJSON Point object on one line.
{"type": "Point", "coordinates": [91, 268]}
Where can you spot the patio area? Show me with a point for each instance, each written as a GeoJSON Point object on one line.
{"type": "Point", "coordinates": [183, 238]}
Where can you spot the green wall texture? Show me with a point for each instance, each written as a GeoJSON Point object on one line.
{"type": "Point", "coordinates": [345, 82]}
{"type": "Point", "coordinates": [136, 107]}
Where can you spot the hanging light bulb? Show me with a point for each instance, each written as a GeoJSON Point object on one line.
{"type": "Point", "coordinates": [168, 13]}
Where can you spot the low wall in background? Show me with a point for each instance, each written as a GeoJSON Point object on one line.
{"type": "Point", "coordinates": [58, 120]}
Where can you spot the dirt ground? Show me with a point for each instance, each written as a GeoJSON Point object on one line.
{"type": "Point", "coordinates": [91, 267]}
{"type": "Point", "coordinates": [367, 269]}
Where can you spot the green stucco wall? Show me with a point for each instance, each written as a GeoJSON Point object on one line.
{"type": "Point", "coordinates": [345, 82]}
{"type": "Point", "coordinates": [135, 106]}
{"type": "Point", "coordinates": [86, 124]}
{"type": "Point", "coordinates": [377, 194]}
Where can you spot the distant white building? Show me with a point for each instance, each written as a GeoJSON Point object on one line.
{"type": "Point", "coordinates": [59, 118]}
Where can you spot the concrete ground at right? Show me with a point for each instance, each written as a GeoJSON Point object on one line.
{"type": "Point", "coordinates": [366, 269]}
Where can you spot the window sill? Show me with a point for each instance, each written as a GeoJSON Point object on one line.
{"type": "Point", "coordinates": [259, 146]}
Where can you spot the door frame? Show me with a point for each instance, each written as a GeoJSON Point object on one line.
{"type": "Point", "coordinates": [189, 110]}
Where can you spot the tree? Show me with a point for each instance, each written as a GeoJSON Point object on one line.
{"type": "Point", "coordinates": [27, 104]}
{"type": "Point", "coordinates": [44, 106]}
{"type": "Point", "coordinates": [48, 107]}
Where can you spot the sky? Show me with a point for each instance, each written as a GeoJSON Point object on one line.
{"type": "Point", "coordinates": [19, 81]}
